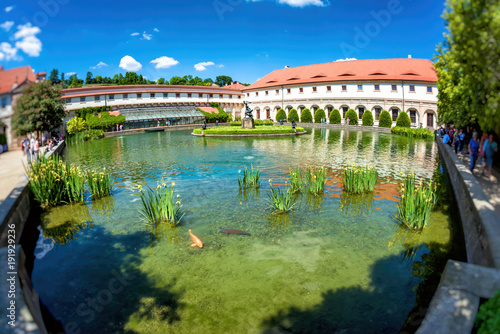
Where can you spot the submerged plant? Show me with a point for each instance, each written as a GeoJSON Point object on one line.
{"type": "Point", "coordinates": [315, 179]}
{"type": "Point", "coordinates": [417, 201]}
{"type": "Point", "coordinates": [250, 178]}
{"type": "Point", "coordinates": [280, 202]}
{"type": "Point", "coordinates": [358, 179]}
{"type": "Point", "coordinates": [159, 205]}
{"type": "Point", "coordinates": [99, 184]}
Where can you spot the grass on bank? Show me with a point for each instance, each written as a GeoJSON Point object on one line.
{"type": "Point", "coordinates": [259, 130]}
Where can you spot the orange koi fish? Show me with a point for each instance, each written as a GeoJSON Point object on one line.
{"type": "Point", "coordinates": [196, 240]}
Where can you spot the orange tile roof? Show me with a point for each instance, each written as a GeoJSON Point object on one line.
{"type": "Point", "coordinates": [19, 74]}
{"type": "Point", "coordinates": [409, 69]}
{"type": "Point", "coordinates": [236, 86]}
{"type": "Point", "coordinates": [210, 110]}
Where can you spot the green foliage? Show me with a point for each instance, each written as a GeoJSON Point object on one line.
{"type": "Point", "coordinates": [226, 130]}
{"type": "Point", "coordinates": [280, 202]}
{"type": "Point", "coordinates": [76, 125]}
{"type": "Point", "coordinates": [293, 116]}
{"type": "Point", "coordinates": [296, 180]}
{"type": "Point", "coordinates": [468, 63]}
{"type": "Point", "coordinates": [39, 108]}
{"type": "Point", "coordinates": [84, 136]}
{"type": "Point", "coordinates": [403, 120]}
{"type": "Point", "coordinates": [250, 178]}
{"type": "Point", "coordinates": [385, 120]}
{"type": "Point", "coordinates": [268, 122]}
{"type": "Point", "coordinates": [236, 123]}
{"type": "Point", "coordinates": [315, 180]}
{"type": "Point", "coordinates": [106, 121]}
{"type": "Point", "coordinates": [358, 179]}
{"type": "Point", "coordinates": [417, 133]}
{"type": "Point", "coordinates": [260, 122]}
{"type": "Point", "coordinates": [280, 115]}
{"type": "Point", "coordinates": [159, 206]}
{"type": "Point", "coordinates": [335, 117]}
{"type": "Point", "coordinates": [99, 183]}
{"type": "Point", "coordinates": [306, 116]}
{"type": "Point", "coordinates": [319, 115]}
{"type": "Point", "coordinates": [417, 201]}
{"type": "Point", "coordinates": [3, 139]}
{"type": "Point", "coordinates": [352, 116]}
{"type": "Point", "coordinates": [367, 118]}
{"type": "Point", "coordinates": [488, 317]}
{"type": "Point", "coordinates": [83, 112]}
{"type": "Point", "coordinates": [223, 80]}
{"type": "Point", "coordinates": [222, 116]}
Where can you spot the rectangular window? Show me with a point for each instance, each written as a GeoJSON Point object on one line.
{"type": "Point", "coordinates": [256, 93]}
{"type": "Point", "coordinates": [277, 91]}
{"type": "Point", "coordinates": [360, 88]}
{"type": "Point", "coordinates": [125, 96]}
{"type": "Point", "coordinates": [152, 95]}
{"type": "Point", "coordinates": [189, 95]}
{"type": "Point", "coordinates": [344, 88]}
{"type": "Point", "coordinates": [429, 89]}
{"type": "Point", "coordinates": [328, 88]}
{"type": "Point", "coordinates": [377, 113]}
{"type": "Point", "coordinates": [288, 90]}
{"type": "Point", "coordinates": [430, 120]}
{"type": "Point", "coordinates": [97, 98]}
{"type": "Point", "coordinates": [230, 96]}
{"type": "Point", "coordinates": [376, 88]}
{"type": "Point", "coordinates": [177, 95]}
{"type": "Point", "coordinates": [221, 96]}
{"type": "Point", "coordinates": [82, 99]}
{"type": "Point", "coordinates": [301, 90]}
{"type": "Point", "coordinates": [248, 94]}
{"type": "Point", "coordinates": [361, 111]}
{"type": "Point", "coordinates": [165, 95]}
{"type": "Point", "coordinates": [315, 89]}
{"type": "Point", "coordinates": [211, 96]}
{"type": "Point", "coordinates": [394, 88]}
{"type": "Point", "coordinates": [4, 102]}
{"type": "Point", "coordinates": [111, 97]}
{"type": "Point", "coordinates": [267, 92]}
{"type": "Point", "coordinates": [139, 95]}
{"type": "Point", "coordinates": [412, 88]}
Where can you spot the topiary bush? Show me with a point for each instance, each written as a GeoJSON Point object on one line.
{"type": "Point", "coordinates": [281, 115]}
{"type": "Point", "coordinates": [367, 118]}
{"type": "Point", "coordinates": [403, 120]}
{"type": "Point", "coordinates": [293, 116]}
{"type": "Point", "coordinates": [385, 120]}
{"type": "Point", "coordinates": [319, 115]}
{"type": "Point", "coordinates": [306, 116]}
{"type": "Point", "coordinates": [353, 117]}
{"type": "Point", "coordinates": [488, 317]}
{"type": "Point", "coordinates": [335, 117]}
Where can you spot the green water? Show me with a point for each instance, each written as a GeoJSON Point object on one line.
{"type": "Point", "coordinates": [336, 264]}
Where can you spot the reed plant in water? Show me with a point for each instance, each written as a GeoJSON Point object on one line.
{"type": "Point", "coordinates": [99, 183]}
{"type": "Point", "coordinates": [417, 201]}
{"type": "Point", "coordinates": [315, 179]}
{"type": "Point", "coordinates": [358, 179]}
{"type": "Point", "coordinates": [250, 178]}
{"type": "Point", "coordinates": [159, 206]}
{"type": "Point", "coordinates": [296, 180]}
{"type": "Point", "coordinates": [280, 202]}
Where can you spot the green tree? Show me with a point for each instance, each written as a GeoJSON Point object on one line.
{"type": "Point", "coordinates": [367, 118]}
{"type": "Point", "coordinates": [468, 65]}
{"type": "Point", "coordinates": [75, 125]}
{"type": "Point", "coordinates": [280, 115]}
{"type": "Point", "coordinates": [39, 108]}
{"type": "Point", "coordinates": [293, 116]}
{"type": "Point", "coordinates": [385, 120]}
{"type": "Point", "coordinates": [64, 82]}
{"type": "Point", "coordinates": [335, 117]}
{"type": "Point", "coordinates": [318, 115]}
{"type": "Point", "coordinates": [54, 76]}
{"type": "Point", "coordinates": [89, 79]}
{"type": "Point", "coordinates": [353, 117]}
{"type": "Point", "coordinates": [161, 81]}
{"type": "Point", "coordinates": [223, 80]}
{"type": "Point", "coordinates": [175, 80]}
{"type": "Point", "coordinates": [208, 82]}
{"type": "Point", "coordinates": [306, 116]}
{"type": "Point", "coordinates": [403, 120]}
{"type": "Point", "coordinates": [74, 82]}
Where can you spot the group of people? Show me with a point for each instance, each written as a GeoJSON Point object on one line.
{"type": "Point", "coordinates": [31, 145]}
{"type": "Point", "coordinates": [119, 127]}
{"type": "Point", "coordinates": [482, 149]}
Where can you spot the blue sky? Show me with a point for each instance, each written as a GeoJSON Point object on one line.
{"type": "Point", "coordinates": [243, 39]}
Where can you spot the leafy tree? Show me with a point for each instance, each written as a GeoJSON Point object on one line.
{"type": "Point", "coordinates": [353, 117]}
{"type": "Point", "coordinates": [75, 125]}
{"type": "Point", "coordinates": [367, 118]}
{"type": "Point", "coordinates": [208, 82]}
{"type": "Point", "coordinates": [335, 117]}
{"type": "Point", "coordinates": [318, 115]}
{"type": "Point", "coordinates": [89, 79]}
{"type": "Point", "coordinates": [161, 81]}
{"type": "Point", "coordinates": [106, 121]}
{"type": "Point", "coordinates": [39, 108]}
{"type": "Point", "coordinates": [293, 116]}
{"type": "Point", "coordinates": [64, 82]}
{"type": "Point", "coordinates": [385, 120]}
{"type": "Point", "coordinates": [306, 116]}
{"type": "Point", "coordinates": [74, 82]}
{"type": "Point", "coordinates": [223, 80]}
{"type": "Point", "coordinates": [98, 80]}
{"type": "Point", "coordinates": [403, 120]}
{"type": "Point", "coordinates": [468, 65]}
{"type": "Point", "coordinates": [280, 115]}
{"type": "Point", "coordinates": [54, 76]}
{"type": "Point", "coordinates": [175, 80]}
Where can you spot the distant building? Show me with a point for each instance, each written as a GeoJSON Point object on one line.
{"type": "Point", "coordinates": [12, 83]}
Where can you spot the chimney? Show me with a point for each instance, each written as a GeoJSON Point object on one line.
{"type": "Point", "coordinates": [286, 66]}
{"type": "Point", "coordinates": [409, 56]}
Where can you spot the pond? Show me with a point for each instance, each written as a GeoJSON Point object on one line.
{"type": "Point", "coordinates": [337, 263]}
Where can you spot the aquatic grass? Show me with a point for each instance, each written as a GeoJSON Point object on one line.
{"type": "Point", "coordinates": [159, 205]}
{"type": "Point", "coordinates": [99, 183]}
{"type": "Point", "coordinates": [296, 180]}
{"type": "Point", "coordinates": [250, 178]}
{"type": "Point", "coordinates": [280, 202]}
{"type": "Point", "coordinates": [417, 201]}
{"type": "Point", "coordinates": [358, 179]}
{"type": "Point", "coordinates": [315, 178]}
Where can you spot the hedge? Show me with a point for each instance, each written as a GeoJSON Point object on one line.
{"type": "Point", "coordinates": [409, 132]}
{"type": "Point", "coordinates": [235, 123]}
{"type": "Point", "coordinates": [106, 121]}
{"type": "Point", "coordinates": [281, 115]}
{"type": "Point", "coordinates": [403, 120]}
{"type": "Point", "coordinates": [367, 118]}
{"type": "Point", "coordinates": [319, 115]}
{"type": "Point", "coordinates": [83, 112]}
{"type": "Point", "coordinates": [305, 116]}
{"type": "Point", "coordinates": [293, 116]}
{"type": "Point", "coordinates": [353, 117]}
{"type": "Point", "coordinates": [222, 116]}
{"type": "Point", "coordinates": [335, 117]}
{"type": "Point", "coordinates": [257, 130]}
{"type": "Point", "coordinates": [385, 120]}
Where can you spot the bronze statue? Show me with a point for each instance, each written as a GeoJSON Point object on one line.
{"type": "Point", "coordinates": [248, 111]}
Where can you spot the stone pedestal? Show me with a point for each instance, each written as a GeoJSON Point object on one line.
{"type": "Point", "coordinates": [247, 123]}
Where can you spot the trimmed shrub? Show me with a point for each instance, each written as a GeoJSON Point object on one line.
{"type": "Point", "coordinates": [106, 121]}
{"type": "Point", "coordinates": [281, 115]}
{"type": "Point", "coordinates": [306, 116]}
{"type": "Point", "coordinates": [403, 120]}
{"type": "Point", "coordinates": [408, 132]}
{"type": "Point", "coordinates": [235, 123]}
{"type": "Point", "coordinates": [258, 122]}
{"type": "Point", "coordinates": [488, 317]}
{"type": "Point", "coordinates": [227, 130]}
{"type": "Point", "coordinates": [268, 122]}
{"type": "Point", "coordinates": [335, 117]}
{"type": "Point", "coordinates": [367, 118]}
{"type": "Point", "coordinates": [353, 117]}
{"type": "Point", "coordinates": [293, 116]}
{"type": "Point", "coordinates": [318, 115]}
{"type": "Point", "coordinates": [385, 120]}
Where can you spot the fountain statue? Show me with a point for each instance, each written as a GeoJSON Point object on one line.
{"type": "Point", "coordinates": [247, 122]}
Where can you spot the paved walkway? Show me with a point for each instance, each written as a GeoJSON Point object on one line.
{"type": "Point", "coordinates": [11, 171]}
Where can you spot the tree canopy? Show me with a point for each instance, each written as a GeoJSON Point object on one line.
{"type": "Point", "coordinates": [468, 65]}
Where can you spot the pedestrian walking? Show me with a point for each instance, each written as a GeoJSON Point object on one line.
{"type": "Point", "coordinates": [490, 148]}
{"type": "Point", "coordinates": [473, 151]}
{"type": "Point", "coordinates": [461, 137]}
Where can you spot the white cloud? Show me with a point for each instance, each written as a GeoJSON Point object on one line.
{"type": "Point", "coordinates": [30, 45]}
{"type": "Point", "coordinates": [69, 74]}
{"type": "Point", "coordinates": [156, 30]}
{"type": "Point", "coordinates": [7, 25]}
{"type": "Point", "coordinates": [130, 64]}
{"type": "Point", "coordinates": [7, 52]}
{"type": "Point", "coordinates": [220, 66]}
{"type": "Point", "coordinates": [26, 31]}
{"type": "Point", "coordinates": [300, 3]}
{"type": "Point", "coordinates": [135, 34]}
{"type": "Point", "coordinates": [164, 62]}
{"type": "Point", "coordinates": [146, 36]}
{"type": "Point", "coordinates": [203, 66]}
{"type": "Point", "coordinates": [101, 64]}
{"type": "Point", "coordinates": [8, 9]}
{"type": "Point", "coordinates": [346, 59]}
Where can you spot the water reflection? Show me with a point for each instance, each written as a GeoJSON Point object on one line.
{"type": "Point", "coordinates": [164, 232]}
{"type": "Point", "coordinates": [313, 202]}
{"type": "Point", "coordinates": [62, 224]}
{"type": "Point", "coordinates": [249, 195]}
{"type": "Point", "coordinates": [281, 223]}
{"type": "Point", "coordinates": [356, 204]}
{"type": "Point", "coordinates": [103, 206]}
